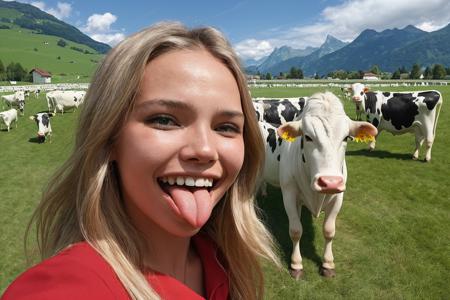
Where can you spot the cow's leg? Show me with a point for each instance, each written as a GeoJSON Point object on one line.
{"type": "Point", "coordinates": [329, 229]}
{"type": "Point", "coordinates": [295, 230]}
{"type": "Point", "coordinates": [429, 139]}
{"type": "Point", "coordinates": [419, 141]}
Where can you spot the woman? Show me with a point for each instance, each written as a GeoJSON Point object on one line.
{"type": "Point", "coordinates": [156, 201]}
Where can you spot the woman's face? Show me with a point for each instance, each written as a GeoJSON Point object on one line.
{"type": "Point", "coordinates": [182, 146]}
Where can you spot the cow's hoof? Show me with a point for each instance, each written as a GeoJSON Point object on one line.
{"type": "Point", "coordinates": [296, 274]}
{"type": "Point", "coordinates": [426, 160]}
{"type": "Point", "coordinates": [415, 158]}
{"type": "Point", "coordinates": [327, 273]}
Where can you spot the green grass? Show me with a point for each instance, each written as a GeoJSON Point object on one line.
{"type": "Point", "coordinates": [29, 49]}
{"type": "Point", "coordinates": [392, 236]}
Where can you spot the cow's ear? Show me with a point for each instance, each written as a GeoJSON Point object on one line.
{"type": "Point", "coordinates": [349, 89]}
{"type": "Point", "coordinates": [363, 131]}
{"type": "Point", "coordinates": [290, 130]}
{"type": "Point", "coordinates": [50, 114]}
{"type": "Point", "coordinates": [32, 118]}
{"type": "Point", "coordinates": [366, 89]}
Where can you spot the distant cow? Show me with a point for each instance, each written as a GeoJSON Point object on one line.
{"type": "Point", "coordinates": [44, 127]}
{"type": "Point", "coordinates": [311, 170]}
{"type": "Point", "coordinates": [60, 100]}
{"type": "Point", "coordinates": [17, 99]}
{"type": "Point", "coordinates": [401, 112]}
{"type": "Point", "coordinates": [8, 117]}
{"type": "Point", "coordinates": [278, 111]}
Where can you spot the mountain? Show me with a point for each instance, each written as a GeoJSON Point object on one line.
{"type": "Point", "coordinates": [330, 45]}
{"type": "Point", "coordinates": [29, 17]}
{"type": "Point", "coordinates": [374, 48]}
{"type": "Point", "coordinates": [254, 62]}
{"type": "Point", "coordinates": [281, 54]}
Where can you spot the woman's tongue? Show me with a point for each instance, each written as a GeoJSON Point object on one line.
{"type": "Point", "coordinates": [195, 204]}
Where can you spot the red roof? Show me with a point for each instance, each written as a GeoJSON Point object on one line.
{"type": "Point", "coordinates": [41, 72]}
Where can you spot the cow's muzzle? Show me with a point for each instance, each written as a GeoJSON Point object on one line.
{"type": "Point", "coordinates": [356, 99]}
{"type": "Point", "coordinates": [329, 184]}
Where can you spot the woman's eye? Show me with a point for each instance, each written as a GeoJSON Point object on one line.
{"type": "Point", "coordinates": [308, 139]}
{"type": "Point", "coordinates": [162, 121]}
{"type": "Point", "coordinates": [228, 128]}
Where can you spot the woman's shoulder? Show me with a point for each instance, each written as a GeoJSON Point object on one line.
{"type": "Point", "coordinates": [77, 272]}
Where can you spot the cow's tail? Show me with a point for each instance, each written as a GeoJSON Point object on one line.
{"type": "Point", "coordinates": [438, 110]}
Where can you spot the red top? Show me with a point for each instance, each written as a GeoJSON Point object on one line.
{"type": "Point", "coordinates": [79, 272]}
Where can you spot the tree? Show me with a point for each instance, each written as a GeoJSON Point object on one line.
{"type": "Point", "coordinates": [61, 43]}
{"type": "Point", "coordinates": [428, 74]}
{"type": "Point", "coordinates": [396, 74]}
{"type": "Point", "coordinates": [447, 70]}
{"type": "Point", "coordinates": [2, 71]}
{"type": "Point", "coordinates": [268, 76]}
{"type": "Point", "coordinates": [439, 72]}
{"type": "Point", "coordinates": [403, 70]}
{"type": "Point", "coordinates": [375, 70]}
{"type": "Point", "coordinates": [415, 72]}
{"type": "Point", "coordinates": [316, 76]}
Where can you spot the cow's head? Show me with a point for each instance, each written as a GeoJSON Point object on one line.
{"type": "Point", "coordinates": [323, 143]}
{"type": "Point", "coordinates": [21, 104]}
{"type": "Point", "coordinates": [43, 123]}
{"type": "Point", "coordinates": [358, 91]}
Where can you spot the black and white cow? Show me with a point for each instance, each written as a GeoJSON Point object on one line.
{"type": "Point", "coordinates": [278, 111]}
{"type": "Point", "coordinates": [311, 171]}
{"type": "Point", "coordinates": [60, 100]}
{"type": "Point", "coordinates": [17, 99]}
{"type": "Point", "coordinates": [401, 112]}
{"type": "Point", "coordinates": [44, 127]}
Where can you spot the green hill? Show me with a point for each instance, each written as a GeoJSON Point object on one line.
{"type": "Point", "coordinates": [38, 50]}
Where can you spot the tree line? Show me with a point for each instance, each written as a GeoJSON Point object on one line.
{"type": "Point", "coordinates": [14, 72]}
{"type": "Point", "coordinates": [436, 71]}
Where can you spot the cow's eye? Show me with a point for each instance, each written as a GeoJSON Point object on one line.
{"type": "Point", "coordinates": [307, 138]}
{"type": "Point", "coordinates": [362, 93]}
{"type": "Point", "coordinates": [348, 138]}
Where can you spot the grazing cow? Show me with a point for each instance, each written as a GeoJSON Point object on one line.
{"type": "Point", "coordinates": [311, 170]}
{"type": "Point", "coordinates": [8, 117]}
{"type": "Point", "coordinates": [16, 99]}
{"type": "Point", "coordinates": [44, 126]}
{"type": "Point", "coordinates": [280, 110]}
{"type": "Point", "coordinates": [402, 112]}
{"type": "Point", "coordinates": [64, 99]}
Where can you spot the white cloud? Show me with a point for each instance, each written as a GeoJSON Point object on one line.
{"type": "Point", "coordinates": [100, 23]}
{"type": "Point", "coordinates": [62, 10]}
{"type": "Point", "coordinates": [347, 20]}
{"type": "Point", "coordinates": [252, 48]}
{"type": "Point", "coordinates": [108, 38]}
{"type": "Point", "coordinates": [98, 27]}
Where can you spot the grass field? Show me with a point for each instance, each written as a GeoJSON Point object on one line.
{"type": "Point", "coordinates": [392, 236]}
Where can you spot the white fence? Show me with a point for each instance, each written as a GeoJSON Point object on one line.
{"type": "Point", "coordinates": [44, 87]}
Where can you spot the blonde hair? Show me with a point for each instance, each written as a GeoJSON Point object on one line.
{"type": "Point", "coordinates": [82, 201]}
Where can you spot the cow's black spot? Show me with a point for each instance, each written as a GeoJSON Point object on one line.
{"type": "Point", "coordinates": [301, 143]}
{"type": "Point", "coordinates": [400, 110]}
{"type": "Point", "coordinates": [278, 157]}
{"type": "Point", "coordinates": [370, 102]}
{"type": "Point", "coordinates": [301, 102]}
{"type": "Point", "coordinates": [257, 115]}
{"type": "Point", "coordinates": [41, 139]}
{"type": "Point", "coordinates": [271, 114]}
{"type": "Point", "coordinates": [375, 122]}
{"type": "Point", "coordinates": [431, 98]}
{"type": "Point", "coordinates": [386, 94]}
{"type": "Point", "coordinates": [280, 140]}
{"type": "Point", "coordinates": [378, 111]}
{"type": "Point", "coordinates": [45, 120]}
{"type": "Point", "coordinates": [303, 158]}
{"type": "Point", "coordinates": [272, 139]}
{"type": "Point", "coordinates": [290, 111]}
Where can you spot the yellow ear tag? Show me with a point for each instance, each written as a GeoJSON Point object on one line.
{"type": "Point", "coordinates": [285, 136]}
{"type": "Point", "coordinates": [364, 137]}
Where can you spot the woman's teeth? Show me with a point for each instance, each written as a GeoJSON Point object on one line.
{"type": "Point", "coordinates": [188, 181]}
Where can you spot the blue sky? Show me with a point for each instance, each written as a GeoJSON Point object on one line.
{"type": "Point", "coordinates": [254, 27]}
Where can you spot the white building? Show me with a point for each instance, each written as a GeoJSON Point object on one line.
{"type": "Point", "coordinates": [370, 76]}
{"type": "Point", "coordinates": [41, 76]}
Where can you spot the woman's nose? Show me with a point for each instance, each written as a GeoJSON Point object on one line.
{"type": "Point", "coordinates": [200, 146]}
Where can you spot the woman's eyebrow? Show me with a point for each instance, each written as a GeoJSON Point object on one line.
{"type": "Point", "coordinates": [176, 104]}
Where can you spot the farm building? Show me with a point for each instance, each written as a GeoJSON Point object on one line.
{"type": "Point", "coordinates": [41, 76]}
{"type": "Point", "coordinates": [370, 76]}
